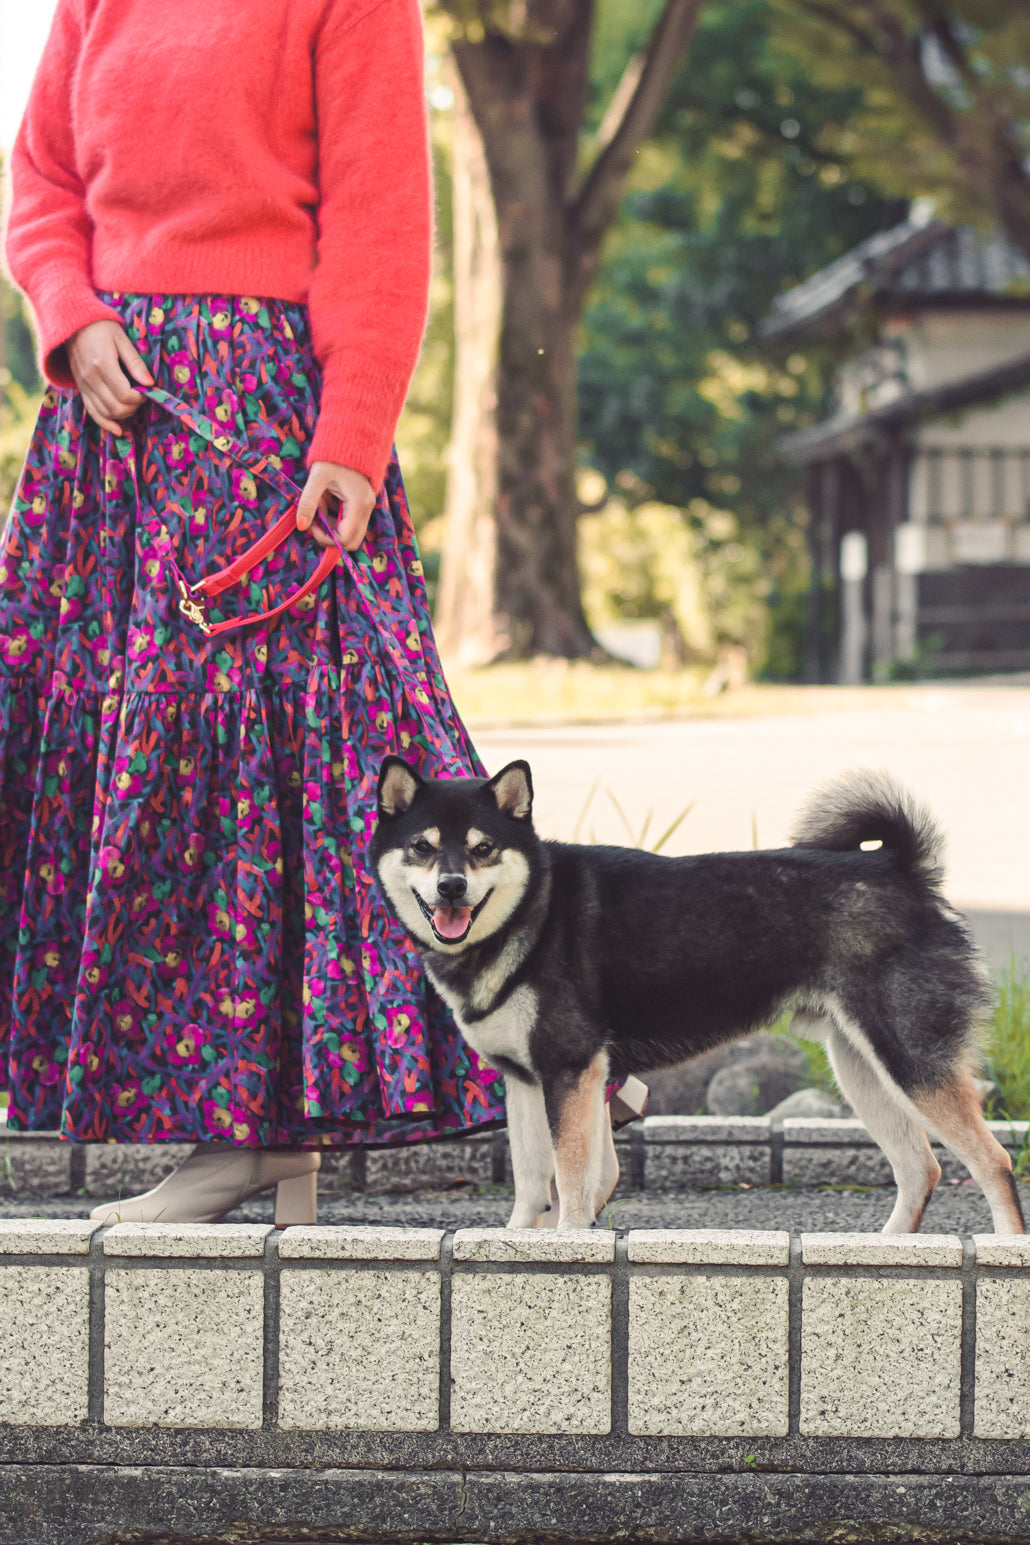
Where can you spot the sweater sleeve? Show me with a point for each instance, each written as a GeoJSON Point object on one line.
{"type": "Point", "coordinates": [370, 290]}
{"type": "Point", "coordinates": [49, 236]}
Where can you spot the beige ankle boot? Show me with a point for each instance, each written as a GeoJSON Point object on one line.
{"type": "Point", "coordinates": [215, 1179]}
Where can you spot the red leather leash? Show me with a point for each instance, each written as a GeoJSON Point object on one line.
{"type": "Point", "coordinates": [194, 597]}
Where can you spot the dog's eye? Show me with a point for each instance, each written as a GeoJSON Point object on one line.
{"type": "Point", "coordinates": [482, 850]}
{"type": "Point", "coordinates": [422, 847]}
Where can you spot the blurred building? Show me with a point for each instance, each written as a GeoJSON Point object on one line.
{"type": "Point", "coordinates": [918, 485]}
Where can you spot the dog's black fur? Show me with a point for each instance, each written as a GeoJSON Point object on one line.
{"type": "Point", "coordinates": [649, 960]}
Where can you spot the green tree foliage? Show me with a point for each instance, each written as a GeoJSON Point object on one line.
{"type": "Point", "coordinates": [681, 401]}
{"type": "Point", "coordinates": [943, 102]}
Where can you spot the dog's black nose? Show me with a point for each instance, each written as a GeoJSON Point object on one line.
{"type": "Point", "coordinates": [451, 888]}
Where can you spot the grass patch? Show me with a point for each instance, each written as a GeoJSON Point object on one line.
{"type": "Point", "coordinates": [1008, 1046]}
{"type": "Point", "coordinates": [551, 692]}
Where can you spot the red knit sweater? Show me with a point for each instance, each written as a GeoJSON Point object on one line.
{"type": "Point", "coordinates": [237, 147]}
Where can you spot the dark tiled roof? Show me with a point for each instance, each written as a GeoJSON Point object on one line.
{"type": "Point", "coordinates": [918, 260]}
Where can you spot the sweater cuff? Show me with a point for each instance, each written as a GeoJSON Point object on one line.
{"type": "Point", "coordinates": [63, 305]}
{"type": "Point", "coordinates": [358, 416]}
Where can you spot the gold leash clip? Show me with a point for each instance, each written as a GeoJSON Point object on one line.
{"type": "Point", "coordinates": [193, 604]}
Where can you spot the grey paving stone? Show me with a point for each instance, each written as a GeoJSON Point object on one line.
{"type": "Point", "coordinates": [46, 1236]}
{"type": "Point", "coordinates": [530, 1353]}
{"type": "Point", "coordinates": [524, 1244]}
{"type": "Point", "coordinates": [706, 1129]}
{"type": "Point", "coordinates": [360, 1242]}
{"type": "Point", "coordinates": [880, 1359]}
{"type": "Point", "coordinates": [430, 1164]}
{"type": "Point", "coordinates": [1003, 1358]}
{"type": "Point", "coordinates": [881, 1250]}
{"type": "Point", "coordinates": [679, 1165]}
{"type": "Point", "coordinates": [824, 1166]}
{"type": "Point", "coordinates": [125, 1169]}
{"type": "Point", "coordinates": [803, 1131]}
{"type": "Point", "coordinates": [359, 1350]}
{"type": "Point", "coordinates": [708, 1355]}
{"type": "Point", "coordinates": [34, 1164]}
{"type": "Point", "coordinates": [192, 1241]}
{"type": "Point", "coordinates": [710, 1247]}
{"type": "Point", "coordinates": [183, 1348]}
{"type": "Point", "coordinates": [1002, 1249]}
{"type": "Point", "coordinates": [44, 1345]}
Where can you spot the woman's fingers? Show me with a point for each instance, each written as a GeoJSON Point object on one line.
{"type": "Point", "coordinates": [345, 497]}
{"type": "Point", "coordinates": [133, 361]}
{"type": "Point", "coordinates": [96, 354]}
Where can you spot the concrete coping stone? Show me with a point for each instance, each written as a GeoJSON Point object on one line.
{"type": "Point", "coordinates": [1011, 1134]}
{"type": "Point", "coordinates": [706, 1129]}
{"type": "Point", "coordinates": [798, 1130]}
{"type": "Point", "coordinates": [571, 1246]}
{"type": "Point", "coordinates": [815, 1130]}
{"type": "Point", "coordinates": [710, 1246]}
{"type": "Point", "coordinates": [881, 1250]}
{"type": "Point", "coordinates": [190, 1240]}
{"type": "Point", "coordinates": [1002, 1249]}
{"type": "Point", "coordinates": [360, 1242]}
{"type": "Point", "coordinates": [46, 1236]}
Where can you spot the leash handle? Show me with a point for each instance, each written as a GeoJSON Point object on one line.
{"type": "Point", "coordinates": [194, 598]}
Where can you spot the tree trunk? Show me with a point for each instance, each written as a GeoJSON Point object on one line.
{"type": "Point", "coordinates": [526, 90]}
{"type": "Point", "coordinates": [467, 626]}
{"type": "Point", "coordinates": [538, 581]}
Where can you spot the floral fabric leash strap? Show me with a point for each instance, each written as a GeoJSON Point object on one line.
{"type": "Point", "coordinates": [195, 597]}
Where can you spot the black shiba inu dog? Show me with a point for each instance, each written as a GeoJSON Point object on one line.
{"type": "Point", "coordinates": [566, 966]}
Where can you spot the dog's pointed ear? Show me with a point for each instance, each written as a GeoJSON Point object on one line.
{"type": "Point", "coordinates": [512, 788]}
{"type": "Point", "coordinates": [398, 785]}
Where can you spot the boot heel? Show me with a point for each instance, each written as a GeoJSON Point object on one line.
{"type": "Point", "coordinates": [629, 1102]}
{"type": "Point", "coordinates": [296, 1200]}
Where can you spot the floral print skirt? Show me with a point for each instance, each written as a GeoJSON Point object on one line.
{"type": "Point", "coordinates": [191, 944]}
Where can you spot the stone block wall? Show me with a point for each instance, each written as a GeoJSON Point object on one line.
{"type": "Point", "coordinates": [234, 1351]}
{"type": "Point", "coordinates": [658, 1153]}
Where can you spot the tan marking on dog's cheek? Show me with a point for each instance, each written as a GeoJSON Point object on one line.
{"type": "Point", "coordinates": [507, 883]}
{"type": "Point", "coordinates": [395, 877]}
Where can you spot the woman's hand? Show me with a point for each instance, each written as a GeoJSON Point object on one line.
{"type": "Point", "coordinates": [96, 355]}
{"type": "Point", "coordinates": [344, 496]}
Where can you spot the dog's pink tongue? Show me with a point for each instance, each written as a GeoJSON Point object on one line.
{"type": "Point", "coordinates": [451, 922]}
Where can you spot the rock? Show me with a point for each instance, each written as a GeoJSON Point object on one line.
{"type": "Point", "coordinates": [987, 1089]}
{"type": "Point", "coordinates": [681, 1091]}
{"type": "Point", "coordinates": [810, 1102]}
{"type": "Point", "coordinates": [752, 1086]}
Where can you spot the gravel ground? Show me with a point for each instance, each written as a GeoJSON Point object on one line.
{"type": "Point", "coordinates": [956, 1209]}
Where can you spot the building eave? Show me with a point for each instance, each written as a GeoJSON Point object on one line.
{"type": "Point", "coordinates": [850, 432]}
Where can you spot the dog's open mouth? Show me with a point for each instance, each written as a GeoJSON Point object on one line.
{"type": "Point", "coordinates": [451, 924]}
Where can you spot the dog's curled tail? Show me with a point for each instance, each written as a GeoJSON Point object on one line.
{"type": "Point", "coordinates": [869, 808]}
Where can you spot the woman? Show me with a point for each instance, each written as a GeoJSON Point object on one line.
{"type": "Point", "coordinates": [230, 203]}
{"type": "Point", "coordinates": [221, 216]}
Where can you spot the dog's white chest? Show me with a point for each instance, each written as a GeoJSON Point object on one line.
{"type": "Point", "coordinates": [503, 1033]}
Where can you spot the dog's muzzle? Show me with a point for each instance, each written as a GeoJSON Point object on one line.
{"type": "Point", "coordinates": [451, 918]}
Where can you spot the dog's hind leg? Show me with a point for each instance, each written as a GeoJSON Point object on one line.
{"type": "Point", "coordinates": [609, 1159]}
{"type": "Point", "coordinates": [955, 1114]}
{"type": "Point", "coordinates": [532, 1155]}
{"type": "Point", "coordinates": [578, 1116]}
{"type": "Point", "coordinates": [883, 1109]}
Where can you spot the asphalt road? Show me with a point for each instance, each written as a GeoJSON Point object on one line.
{"type": "Point", "coordinates": [964, 749]}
